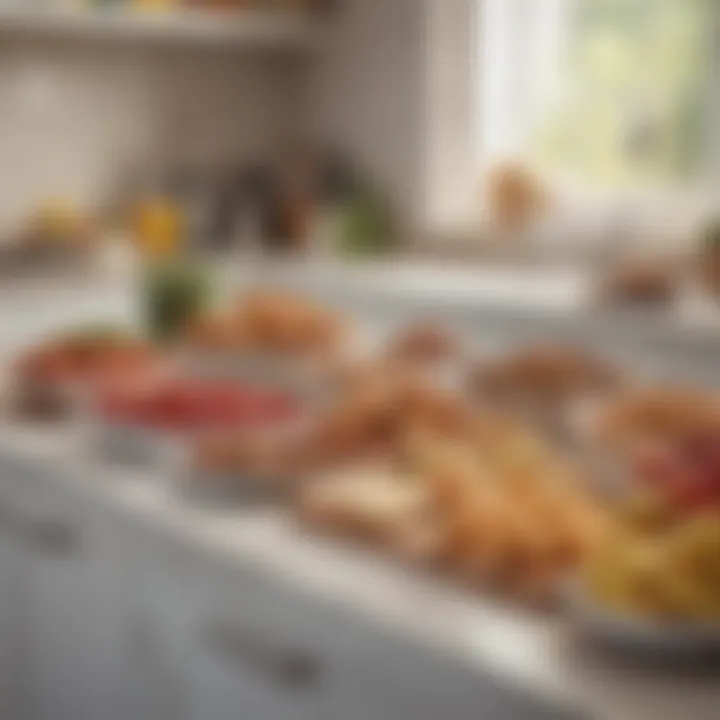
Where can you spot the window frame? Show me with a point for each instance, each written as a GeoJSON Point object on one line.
{"type": "Point", "coordinates": [671, 211]}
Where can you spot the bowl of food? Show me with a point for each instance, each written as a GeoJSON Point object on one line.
{"type": "Point", "coordinates": [650, 590]}
{"type": "Point", "coordinates": [632, 434]}
{"type": "Point", "coordinates": [51, 380]}
{"type": "Point", "coordinates": [276, 338]}
{"type": "Point", "coordinates": [651, 587]}
{"type": "Point", "coordinates": [147, 423]}
{"type": "Point", "coordinates": [260, 460]}
{"type": "Point", "coordinates": [545, 383]}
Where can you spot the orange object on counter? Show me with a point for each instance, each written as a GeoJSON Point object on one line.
{"type": "Point", "coordinates": [515, 196]}
{"type": "Point", "coordinates": [158, 227]}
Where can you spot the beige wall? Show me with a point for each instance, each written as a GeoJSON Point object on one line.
{"type": "Point", "coordinates": [452, 112]}
{"type": "Point", "coordinates": [366, 95]}
{"type": "Point", "coordinates": [74, 118]}
{"type": "Point", "coordinates": [393, 87]}
{"type": "Point", "coordinates": [386, 87]}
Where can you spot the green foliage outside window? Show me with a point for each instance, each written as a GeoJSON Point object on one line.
{"type": "Point", "coordinates": [631, 103]}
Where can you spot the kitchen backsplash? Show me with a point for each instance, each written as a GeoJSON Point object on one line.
{"type": "Point", "coordinates": [78, 120]}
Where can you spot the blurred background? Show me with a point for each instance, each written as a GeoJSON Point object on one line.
{"type": "Point", "coordinates": [562, 129]}
{"type": "Point", "coordinates": [359, 359]}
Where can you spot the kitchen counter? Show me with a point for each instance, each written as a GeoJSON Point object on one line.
{"type": "Point", "coordinates": [558, 298]}
{"type": "Point", "coordinates": [532, 652]}
{"type": "Point", "coordinates": [560, 295]}
{"type": "Point", "coordinates": [501, 307]}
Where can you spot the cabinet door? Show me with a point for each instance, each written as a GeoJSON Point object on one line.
{"type": "Point", "coordinates": [380, 676]}
{"type": "Point", "coordinates": [236, 641]}
{"type": "Point", "coordinates": [72, 631]}
{"type": "Point", "coordinates": [11, 599]}
{"type": "Point", "coordinates": [214, 660]}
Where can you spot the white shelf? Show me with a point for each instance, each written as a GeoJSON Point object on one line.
{"type": "Point", "coordinates": [241, 30]}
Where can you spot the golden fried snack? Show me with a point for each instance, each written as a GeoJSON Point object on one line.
{"type": "Point", "coordinates": [658, 414]}
{"type": "Point", "coordinates": [476, 535]}
{"type": "Point", "coordinates": [216, 333]}
{"type": "Point", "coordinates": [664, 572]}
{"type": "Point", "coordinates": [544, 374]}
{"type": "Point", "coordinates": [276, 323]}
{"type": "Point", "coordinates": [435, 409]}
{"type": "Point", "coordinates": [509, 513]}
{"type": "Point", "coordinates": [378, 409]}
{"type": "Point", "coordinates": [450, 469]}
{"type": "Point", "coordinates": [424, 343]}
{"type": "Point", "coordinates": [359, 425]}
{"type": "Point", "coordinates": [273, 323]}
{"type": "Point", "coordinates": [574, 526]}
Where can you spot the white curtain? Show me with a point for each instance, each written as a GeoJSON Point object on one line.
{"type": "Point", "coordinates": [519, 59]}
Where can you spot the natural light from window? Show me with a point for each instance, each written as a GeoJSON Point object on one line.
{"type": "Point", "coordinates": [600, 93]}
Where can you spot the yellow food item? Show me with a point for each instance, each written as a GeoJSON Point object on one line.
{"type": "Point", "coordinates": [665, 571]}
{"type": "Point", "coordinates": [59, 221]}
{"type": "Point", "coordinates": [158, 227]}
{"type": "Point", "coordinates": [57, 217]}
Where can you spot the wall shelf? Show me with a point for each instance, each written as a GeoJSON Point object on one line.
{"type": "Point", "coordinates": [241, 30]}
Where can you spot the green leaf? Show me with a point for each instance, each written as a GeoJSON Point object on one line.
{"type": "Point", "coordinates": [173, 293]}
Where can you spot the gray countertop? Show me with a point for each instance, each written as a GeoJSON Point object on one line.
{"type": "Point", "coordinates": [531, 650]}
{"type": "Point", "coordinates": [557, 297]}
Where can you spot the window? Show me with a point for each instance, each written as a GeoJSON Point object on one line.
{"type": "Point", "coordinates": [601, 93]}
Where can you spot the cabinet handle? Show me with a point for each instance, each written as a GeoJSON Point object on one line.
{"type": "Point", "coordinates": [292, 668]}
{"type": "Point", "coordinates": [55, 538]}
{"type": "Point", "coordinates": [8, 519]}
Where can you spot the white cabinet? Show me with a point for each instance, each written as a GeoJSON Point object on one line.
{"type": "Point", "coordinates": [11, 598]}
{"type": "Point", "coordinates": [115, 617]}
{"type": "Point", "coordinates": [72, 628]}
{"type": "Point", "coordinates": [216, 649]}
{"type": "Point", "coordinates": [217, 666]}
{"type": "Point", "coordinates": [232, 641]}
